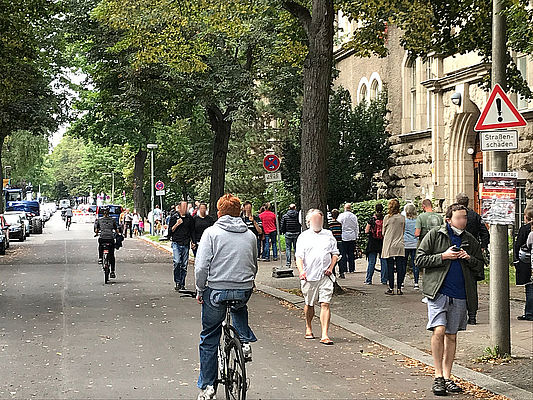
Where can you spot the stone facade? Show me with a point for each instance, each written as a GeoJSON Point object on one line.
{"type": "Point", "coordinates": [436, 152]}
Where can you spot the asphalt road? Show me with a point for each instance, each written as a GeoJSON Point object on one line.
{"type": "Point", "coordinates": [64, 334]}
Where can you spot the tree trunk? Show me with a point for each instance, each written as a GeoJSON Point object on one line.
{"type": "Point", "coordinates": [221, 126]}
{"type": "Point", "coordinates": [317, 80]}
{"type": "Point", "coordinates": [139, 201]}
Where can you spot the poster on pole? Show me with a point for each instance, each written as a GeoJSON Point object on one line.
{"type": "Point", "coordinates": [498, 198]}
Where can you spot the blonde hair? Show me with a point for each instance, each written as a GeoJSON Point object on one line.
{"type": "Point", "coordinates": [410, 211]}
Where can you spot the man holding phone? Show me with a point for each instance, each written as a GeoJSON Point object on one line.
{"type": "Point", "coordinates": [452, 260]}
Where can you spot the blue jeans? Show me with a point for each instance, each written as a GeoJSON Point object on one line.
{"type": "Point", "coordinates": [270, 238]}
{"type": "Point", "coordinates": [180, 259]}
{"type": "Point", "coordinates": [213, 314]}
{"type": "Point", "coordinates": [290, 241]}
{"type": "Point", "coordinates": [348, 256]}
{"type": "Point", "coordinates": [528, 309]}
{"type": "Point", "coordinates": [400, 271]}
{"type": "Point", "coordinates": [410, 255]}
{"type": "Point", "coordinates": [372, 258]}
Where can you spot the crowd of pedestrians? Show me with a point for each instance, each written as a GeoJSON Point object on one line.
{"type": "Point", "coordinates": [449, 251]}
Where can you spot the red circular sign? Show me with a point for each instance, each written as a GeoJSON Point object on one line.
{"type": "Point", "coordinates": [159, 185]}
{"type": "Point", "coordinates": [271, 162]}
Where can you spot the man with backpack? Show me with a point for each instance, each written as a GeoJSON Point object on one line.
{"type": "Point", "coordinates": [374, 230]}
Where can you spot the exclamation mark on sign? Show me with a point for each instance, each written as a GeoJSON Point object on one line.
{"type": "Point", "coordinates": [499, 106]}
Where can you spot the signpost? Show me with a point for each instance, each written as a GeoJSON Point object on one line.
{"type": "Point", "coordinates": [160, 191]}
{"type": "Point", "coordinates": [499, 188]}
{"type": "Point", "coordinates": [271, 163]}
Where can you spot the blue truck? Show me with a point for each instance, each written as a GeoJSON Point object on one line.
{"type": "Point", "coordinates": [15, 202]}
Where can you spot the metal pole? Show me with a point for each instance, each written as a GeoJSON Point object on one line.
{"type": "Point", "coordinates": [152, 185]}
{"type": "Point", "coordinates": [277, 227]}
{"type": "Point", "coordinates": [113, 187]}
{"type": "Point", "coordinates": [499, 313]}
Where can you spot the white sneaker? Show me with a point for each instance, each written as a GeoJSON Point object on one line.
{"type": "Point", "coordinates": [416, 286]}
{"type": "Point", "coordinates": [247, 351]}
{"type": "Point", "coordinates": [207, 394]}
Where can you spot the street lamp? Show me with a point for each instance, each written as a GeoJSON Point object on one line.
{"type": "Point", "coordinates": [152, 147]}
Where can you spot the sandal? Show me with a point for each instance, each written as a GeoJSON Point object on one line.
{"type": "Point", "coordinates": [311, 336]}
{"type": "Point", "coordinates": [327, 342]}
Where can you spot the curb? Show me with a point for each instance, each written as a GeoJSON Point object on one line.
{"type": "Point", "coordinates": [484, 381]}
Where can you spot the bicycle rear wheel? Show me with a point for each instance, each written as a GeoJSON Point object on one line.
{"type": "Point", "coordinates": [106, 269]}
{"type": "Point", "coordinates": [235, 370]}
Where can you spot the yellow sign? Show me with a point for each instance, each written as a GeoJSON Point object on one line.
{"type": "Point", "coordinates": [6, 182]}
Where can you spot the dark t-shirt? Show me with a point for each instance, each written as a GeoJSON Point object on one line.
{"type": "Point", "coordinates": [336, 228]}
{"type": "Point", "coordinates": [184, 233]}
{"type": "Point", "coordinates": [200, 225]}
{"type": "Point", "coordinates": [249, 223]}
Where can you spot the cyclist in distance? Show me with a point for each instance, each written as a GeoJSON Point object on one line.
{"type": "Point", "coordinates": [106, 227]}
{"type": "Point", "coordinates": [225, 269]}
{"type": "Point", "coordinates": [68, 216]}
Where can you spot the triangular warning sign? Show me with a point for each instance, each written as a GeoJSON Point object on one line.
{"type": "Point", "coordinates": [499, 113]}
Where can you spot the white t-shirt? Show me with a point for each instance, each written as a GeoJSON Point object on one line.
{"type": "Point", "coordinates": [316, 249]}
{"type": "Point", "coordinates": [135, 219]}
{"type": "Point", "coordinates": [350, 226]}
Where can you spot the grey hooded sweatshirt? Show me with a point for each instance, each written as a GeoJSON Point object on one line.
{"type": "Point", "coordinates": [227, 256]}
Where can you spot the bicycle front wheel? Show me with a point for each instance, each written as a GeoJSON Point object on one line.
{"type": "Point", "coordinates": [235, 371]}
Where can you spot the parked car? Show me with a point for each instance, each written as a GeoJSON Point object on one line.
{"type": "Point", "coordinates": [4, 235]}
{"type": "Point", "coordinates": [33, 213]}
{"type": "Point", "coordinates": [18, 225]}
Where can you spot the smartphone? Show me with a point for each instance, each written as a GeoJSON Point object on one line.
{"type": "Point", "coordinates": [455, 248]}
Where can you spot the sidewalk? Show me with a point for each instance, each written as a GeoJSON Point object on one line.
{"type": "Point", "coordinates": [398, 322]}
{"type": "Point", "coordinates": [404, 319]}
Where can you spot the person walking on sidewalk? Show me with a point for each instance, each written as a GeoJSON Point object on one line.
{"type": "Point", "coordinates": [350, 233]}
{"type": "Point", "coordinates": [268, 219]}
{"type": "Point", "coordinates": [290, 226]}
{"type": "Point", "coordinates": [336, 229]}
{"type": "Point", "coordinates": [254, 224]}
{"type": "Point", "coordinates": [316, 256]}
{"type": "Point", "coordinates": [411, 241]}
{"type": "Point", "coordinates": [202, 221]}
{"type": "Point", "coordinates": [128, 223]}
{"type": "Point", "coordinates": [374, 230]}
{"type": "Point", "coordinates": [477, 228]}
{"type": "Point", "coordinates": [181, 231]}
{"type": "Point", "coordinates": [427, 220]}
{"type": "Point", "coordinates": [225, 269]}
{"type": "Point", "coordinates": [522, 262]}
{"type": "Point", "coordinates": [393, 246]}
{"type": "Point", "coordinates": [452, 260]}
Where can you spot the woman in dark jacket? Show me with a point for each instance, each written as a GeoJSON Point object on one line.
{"type": "Point", "coordinates": [374, 229]}
{"type": "Point", "coordinates": [523, 269]}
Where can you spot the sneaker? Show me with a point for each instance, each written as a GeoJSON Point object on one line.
{"type": "Point", "coordinates": [472, 320]}
{"type": "Point", "coordinates": [439, 386]}
{"type": "Point", "coordinates": [342, 276]}
{"type": "Point", "coordinates": [275, 259]}
{"type": "Point", "coordinates": [177, 287]}
{"type": "Point", "coordinates": [112, 274]}
{"type": "Point", "coordinates": [390, 292]}
{"type": "Point", "coordinates": [247, 351]}
{"type": "Point", "coordinates": [368, 283]}
{"type": "Point", "coordinates": [451, 387]}
{"type": "Point", "coordinates": [416, 286]}
{"type": "Point", "coordinates": [207, 394]}
{"type": "Point", "coordinates": [100, 261]}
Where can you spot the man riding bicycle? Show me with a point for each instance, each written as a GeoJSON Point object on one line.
{"type": "Point", "coordinates": [106, 227]}
{"type": "Point", "coordinates": [68, 216]}
{"type": "Point", "coordinates": [225, 269]}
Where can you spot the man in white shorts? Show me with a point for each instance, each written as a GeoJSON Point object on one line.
{"type": "Point", "coordinates": [316, 256]}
